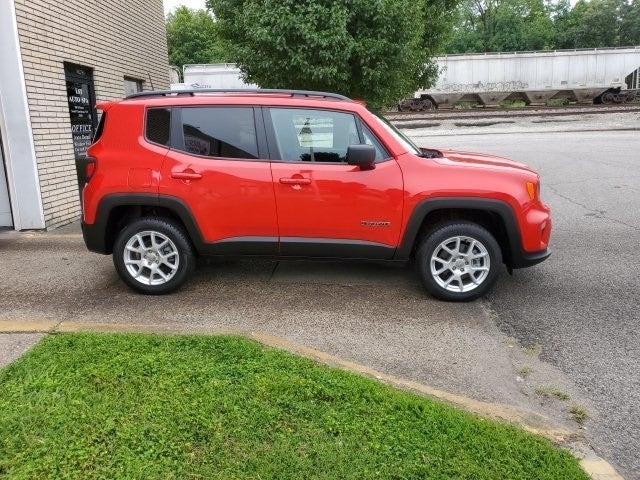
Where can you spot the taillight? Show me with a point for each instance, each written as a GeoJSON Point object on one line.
{"type": "Point", "coordinates": [89, 168]}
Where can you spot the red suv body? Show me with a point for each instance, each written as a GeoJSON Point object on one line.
{"type": "Point", "coordinates": [176, 175]}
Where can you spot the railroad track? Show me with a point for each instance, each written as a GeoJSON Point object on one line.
{"type": "Point", "coordinates": [485, 112]}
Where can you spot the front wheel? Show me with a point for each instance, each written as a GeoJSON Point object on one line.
{"type": "Point", "coordinates": [458, 261]}
{"type": "Point", "coordinates": [153, 256]}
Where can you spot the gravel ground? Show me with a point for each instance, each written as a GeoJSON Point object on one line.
{"type": "Point", "coordinates": [578, 122]}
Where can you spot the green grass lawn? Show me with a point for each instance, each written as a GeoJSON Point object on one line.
{"type": "Point", "coordinates": [113, 406]}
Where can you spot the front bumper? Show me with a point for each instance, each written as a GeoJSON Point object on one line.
{"type": "Point", "coordinates": [528, 259]}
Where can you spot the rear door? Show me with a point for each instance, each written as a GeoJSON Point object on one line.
{"type": "Point", "coordinates": [327, 208]}
{"type": "Point", "coordinates": [217, 168]}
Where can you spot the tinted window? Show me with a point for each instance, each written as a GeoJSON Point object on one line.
{"type": "Point", "coordinates": [100, 129]}
{"type": "Point", "coordinates": [220, 132]}
{"type": "Point", "coordinates": [158, 125]}
{"type": "Point", "coordinates": [313, 135]}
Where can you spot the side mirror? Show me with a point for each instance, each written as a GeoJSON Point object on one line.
{"type": "Point", "coordinates": [364, 156]}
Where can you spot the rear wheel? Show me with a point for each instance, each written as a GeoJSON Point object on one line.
{"type": "Point", "coordinates": [458, 261]}
{"type": "Point", "coordinates": [153, 256]}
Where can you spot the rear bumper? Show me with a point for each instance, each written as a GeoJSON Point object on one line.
{"type": "Point", "coordinates": [94, 238]}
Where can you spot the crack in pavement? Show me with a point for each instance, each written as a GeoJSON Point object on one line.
{"type": "Point", "coordinates": [595, 212]}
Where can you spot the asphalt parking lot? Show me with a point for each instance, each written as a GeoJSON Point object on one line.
{"type": "Point", "coordinates": [569, 325]}
{"type": "Point", "coordinates": [581, 308]}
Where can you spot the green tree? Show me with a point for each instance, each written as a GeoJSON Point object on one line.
{"type": "Point", "coordinates": [630, 24]}
{"type": "Point", "coordinates": [591, 24]}
{"type": "Point", "coordinates": [192, 37]}
{"type": "Point", "coordinates": [376, 50]}
{"type": "Point", "coordinates": [505, 25]}
{"type": "Point", "coordinates": [502, 25]}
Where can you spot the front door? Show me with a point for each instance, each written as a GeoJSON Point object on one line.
{"type": "Point", "coordinates": [217, 169]}
{"type": "Point", "coordinates": [326, 207]}
{"type": "Point", "coordinates": [5, 206]}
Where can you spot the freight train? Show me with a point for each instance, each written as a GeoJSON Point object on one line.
{"type": "Point", "coordinates": [600, 75]}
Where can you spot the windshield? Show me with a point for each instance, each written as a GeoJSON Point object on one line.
{"type": "Point", "coordinates": [398, 135]}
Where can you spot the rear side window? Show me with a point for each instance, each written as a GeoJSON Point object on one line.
{"type": "Point", "coordinates": [227, 132]}
{"type": "Point", "coordinates": [100, 128]}
{"type": "Point", "coordinates": [158, 125]}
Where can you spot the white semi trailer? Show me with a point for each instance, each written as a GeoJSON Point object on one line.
{"type": "Point", "coordinates": [215, 75]}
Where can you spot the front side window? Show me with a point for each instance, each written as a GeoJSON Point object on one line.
{"type": "Point", "coordinates": [313, 135]}
{"type": "Point", "coordinates": [227, 132]}
{"type": "Point", "coordinates": [398, 135]}
{"type": "Point", "coordinates": [370, 139]}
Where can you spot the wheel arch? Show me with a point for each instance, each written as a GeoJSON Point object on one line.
{"type": "Point", "coordinates": [494, 215]}
{"type": "Point", "coordinates": [116, 211]}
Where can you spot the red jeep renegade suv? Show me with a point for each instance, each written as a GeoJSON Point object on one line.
{"type": "Point", "coordinates": [297, 174]}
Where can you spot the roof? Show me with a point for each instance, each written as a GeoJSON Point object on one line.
{"type": "Point", "coordinates": [239, 92]}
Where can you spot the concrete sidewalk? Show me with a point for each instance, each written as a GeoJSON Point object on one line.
{"type": "Point", "coordinates": [13, 345]}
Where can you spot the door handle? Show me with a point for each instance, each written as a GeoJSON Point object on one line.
{"type": "Point", "coordinates": [295, 181]}
{"type": "Point", "coordinates": [186, 175]}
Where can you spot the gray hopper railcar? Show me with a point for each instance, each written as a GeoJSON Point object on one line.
{"type": "Point", "coordinates": [600, 75]}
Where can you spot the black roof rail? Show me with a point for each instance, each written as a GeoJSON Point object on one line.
{"type": "Point", "coordinates": [192, 92]}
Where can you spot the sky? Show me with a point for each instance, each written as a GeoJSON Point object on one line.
{"type": "Point", "coordinates": [172, 4]}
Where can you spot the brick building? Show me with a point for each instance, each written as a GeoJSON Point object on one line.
{"type": "Point", "coordinates": [58, 58]}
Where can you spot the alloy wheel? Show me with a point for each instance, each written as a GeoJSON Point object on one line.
{"type": "Point", "coordinates": [460, 264]}
{"type": "Point", "coordinates": [151, 258]}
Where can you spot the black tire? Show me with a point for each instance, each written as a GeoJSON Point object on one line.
{"type": "Point", "coordinates": [163, 261]}
{"type": "Point", "coordinates": [467, 281]}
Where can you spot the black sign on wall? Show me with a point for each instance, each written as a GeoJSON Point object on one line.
{"type": "Point", "coordinates": [82, 106]}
